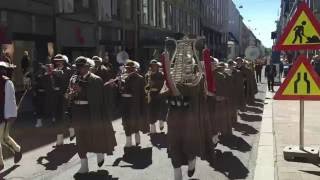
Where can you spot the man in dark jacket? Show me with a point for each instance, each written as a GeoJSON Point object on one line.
{"type": "Point", "coordinates": [156, 104]}
{"type": "Point", "coordinates": [270, 73]}
{"type": "Point", "coordinates": [93, 131]}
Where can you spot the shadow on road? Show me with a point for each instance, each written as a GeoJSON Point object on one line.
{"type": "Point", "coordinates": [235, 143]}
{"type": "Point", "coordinates": [159, 140]}
{"type": "Point", "coordinates": [245, 129]}
{"type": "Point", "coordinates": [58, 156]}
{"type": "Point", "coordinates": [255, 109]}
{"type": "Point", "coordinates": [250, 117]}
{"type": "Point", "coordinates": [8, 171]}
{"type": "Point", "coordinates": [99, 175]}
{"type": "Point", "coordinates": [317, 173]}
{"type": "Point", "coordinates": [137, 157]}
{"type": "Point", "coordinates": [229, 165]}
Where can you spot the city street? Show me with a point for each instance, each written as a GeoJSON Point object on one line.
{"type": "Point", "coordinates": [236, 158]}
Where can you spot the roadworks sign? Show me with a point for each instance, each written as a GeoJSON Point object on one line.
{"type": "Point", "coordinates": [302, 31]}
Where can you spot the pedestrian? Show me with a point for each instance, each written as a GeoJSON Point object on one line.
{"type": "Point", "coordinates": [258, 68]}
{"type": "Point", "coordinates": [270, 73]}
{"type": "Point", "coordinates": [156, 103]}
{"type": "Point", "coordinates": [316, 64]}
{"type": "Point", "coordinates": [94, 132]}
{"type": "Point", "coordinates": [281, 69]}
{"type": "Point", "coordinates": [133, 103]}
{"type": "Point", "coordinates": [8, 115]}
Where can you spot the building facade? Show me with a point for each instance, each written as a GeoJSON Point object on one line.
{"type": "Point", "coordinates": [91, 27]}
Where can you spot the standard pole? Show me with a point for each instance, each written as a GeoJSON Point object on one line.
{"type": "Point", "coordinates": [301, 145]}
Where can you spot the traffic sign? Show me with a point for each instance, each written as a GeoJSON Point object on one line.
{"type": "Point", "coordinates": [302, 31]}
{"type": "Point", "coordinates": [302, 83]}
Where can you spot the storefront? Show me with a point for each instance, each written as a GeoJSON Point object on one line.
{"type": "Point", "coordinates": [76, 38]}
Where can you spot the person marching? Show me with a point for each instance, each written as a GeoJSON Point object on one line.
{"type": "Point", "coordinates": [248, 81]}
{"type": "Point", "coordinates": [237, 97]}
{"type": "Point", "coordinates": [222, 114]}
{"type": "Point", "coordinates": [94, 132]}
{"type": "Point", "coordinates": [154, 82]}
{"type": "Point", "coordinates": [61, 77]}
{"type": "Point", "coordinates": [132, 100]}
{"type": "Point", "coordinates": [8, 114]}
{"type": "Point", "coordinates": [39, 94]}
{"type": "Point", "coordinates": [106, 74]}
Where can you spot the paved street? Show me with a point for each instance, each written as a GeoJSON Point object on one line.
{"type": "Point", "coordinates": [150, 162]}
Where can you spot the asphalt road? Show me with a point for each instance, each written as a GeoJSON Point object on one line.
{"type": "Point", "coordinates": [41, 161]}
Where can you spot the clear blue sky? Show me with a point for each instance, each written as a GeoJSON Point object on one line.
{"type": "Point", "coordinates": [260, 17]}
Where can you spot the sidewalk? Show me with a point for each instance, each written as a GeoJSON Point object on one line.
{"type": "Point", "coordinates": [283, 132]}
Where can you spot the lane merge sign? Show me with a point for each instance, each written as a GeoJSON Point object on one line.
{"type": "Point", "coordinates": [302, 82]}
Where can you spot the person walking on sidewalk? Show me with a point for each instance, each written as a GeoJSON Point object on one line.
{"type": "Point", "coordinates": [258, 69]}
{"type": "Point", "coordinates": [8, 114]}
{"type": "Point", "coordinates": [270, 73]}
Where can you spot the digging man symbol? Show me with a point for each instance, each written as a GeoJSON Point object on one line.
{"type": "Point", "coordinates": [299, 32]}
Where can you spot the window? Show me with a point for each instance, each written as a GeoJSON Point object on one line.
{"type": "Point", "coordinates": [66, 6]}
{"type": "Point", "coordinates": [104, 9]}
{"type": "Point", "coordinates": [128, 9]}
{"type": "Point", "coordinates": [169, 16]}
{"type": "Point", "coordinates": [115, 8]}
{"type": "Point", "coordinates": [145, 12]}
{"type": "Point", "coordinates": [85, 3]}
{"type": "Point", "coordinates": [163, 15]}
{"type": "Point", "coordinates": [152, 12]}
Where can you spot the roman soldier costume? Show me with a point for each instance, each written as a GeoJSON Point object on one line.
{"type": "Point", "coordinates": [156, 104]}
{"type": "Point", "coordinates": [133, 103]}
{"type": "Point", "coordinates": [94, 132]}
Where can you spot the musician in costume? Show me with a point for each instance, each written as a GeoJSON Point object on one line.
{"type": "Point", "coordinates": [133, 104]}
{"type": "Point", "coordinates": [94, 132]}
{"type": "Point", "coordinates": [102, 71]}
{"type": "Point", "coordinates": [250, 86]}
{"type": "Point", "coordinates": [8, 114]}
{"type": "Point", "coordinates": [222, 118]}
{"type": "Point", "coordinates": [106, 74]}
{"type": "Point", "coordinates": [155, 103]}
{"type": "Point", "coordinates": [184, 90]}
{"type": "Point", "coordinates": [60, 78]}
{"type": "Point", "coordinates": [39, 93]}
{"type": "Point", "coordinates": [238, 101]}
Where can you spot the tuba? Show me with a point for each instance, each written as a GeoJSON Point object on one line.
{"type": "Point", "coordinates": [184, 69]}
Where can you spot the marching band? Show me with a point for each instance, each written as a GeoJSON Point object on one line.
{"type": "Point", "coordinates": [178, 90]}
